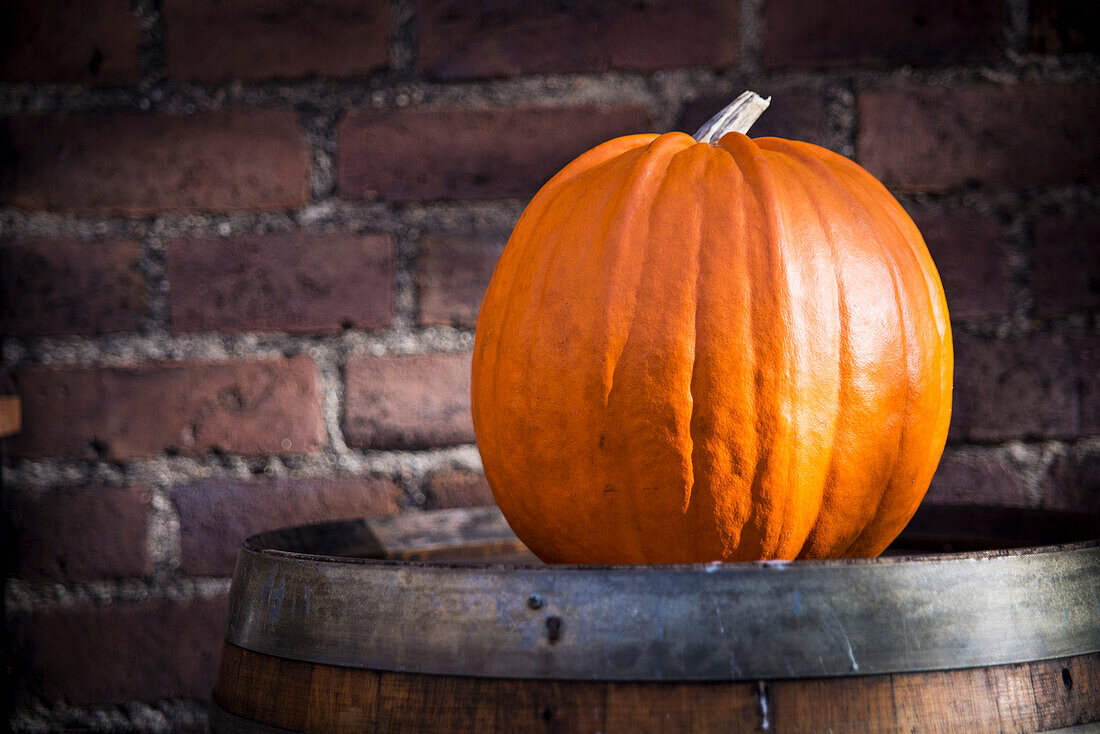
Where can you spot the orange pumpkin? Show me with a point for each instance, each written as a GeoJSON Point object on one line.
{"type": "Point", "coordinates": [711, 349]}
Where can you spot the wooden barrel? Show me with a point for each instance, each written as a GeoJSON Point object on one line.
{"type": "Point", "coordinates": [444, 622]}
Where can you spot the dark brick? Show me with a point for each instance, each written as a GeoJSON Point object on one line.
{"type": "Point", "coordinates": [1014, 388]}
{"type": "Point", "coordinates": [80, 533]}
{"type": "Point", "coordinates": [1001, 136]}
{"type": "Point", "coordinates": [456, 153]}
{"type": "Point", "coordinates": [216, 515]}
{"type": "Point", "coordinates": [867, 32]}
{"type": "Point", "coordinates": [270, 406]}
{"type": "Point", "coordinates": [453, 488]}
{"type": "Point", "coordinates": [1065, 26]}
{"type": "Point", "coordinates": [799, 115]}
{"type": "Point", "coordinates": [970, 258]}
{"type": "Point", "coordinates": [402, 402]}
{"type": "Point", "coordinates": [1072, 482]}
{"type": "Point", "coordinates": [294, 282]}
{"type": "Point", "coordinates": [461, 40]}
{"type": "Point", "coordinates": [213, 41]}
{"type": "Point", "coordinates": [91, 41]}
{"type": "Point", "coordinates": [453, 274]}
{"type": "Point", "coordinates": [1085, 352]}
{"type": "Point", "coordinates": [86, 653]}
{"type": "Point", "coordinates": [60, 286]}
{"type": "Point", "coordinates": [979, 477]}
{"type": "Point", "coordinates": [141, 164]}
{"type": "Point", "coordinates": [1065, 266]}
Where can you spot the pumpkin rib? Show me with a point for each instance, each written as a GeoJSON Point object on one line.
{"type": "Point", "coordinates": [855, 189]}
{"type": "Point", "coordinates": [771, 309]}
{"type": "Point", "coordinates": [735, 514]}
{"type": "Point", "coordinates": [843, 344]}
{"type": "Point", "coordinates": [692, 421]}
{"type": "Point", "coordinates": [863, 215]}
{"type": "Point", "coordinates": [536, 211]}
{"type": "Point", "coordinates": [578, 202]}
{"type": "Point", "coordinates": [569, 206]}
{"type": "Point", "coordinates": [647, 165]}
{"type": "Point", "coordinates": [871, 526]}
{"type": "Point", "coordinates": [886, 528]}
{"type": "Point", "coordinates": [639, 192]}
{"type": "Point", "coordinates": [508, 307]}
{"type": "Point", "coordinates": [509, 284]}
{"type": "Point", "coordinates": [718, 507]}
{"type": "Point", "coordinates": [888, 258]}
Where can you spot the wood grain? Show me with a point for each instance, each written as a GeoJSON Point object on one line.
{"type": "Point", "coordinates": [299, 696]}
{"type": "Point", "coordinates": [842, 704]}
{"type": "Point", "coordinates": [339, 702]}
{"type": "Point", "coordinates": [1067, 691]}
{"type": "Point", "coordinates": [941, 702]}
{"type": "Point", "coordinates": [661, 707]}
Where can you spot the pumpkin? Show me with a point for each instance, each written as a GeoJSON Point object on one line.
{"type": "Point", "coordinates": [711, 348]}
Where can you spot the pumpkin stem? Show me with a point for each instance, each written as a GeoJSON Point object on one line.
{"type": "Point", "coordinates": [737, 116]}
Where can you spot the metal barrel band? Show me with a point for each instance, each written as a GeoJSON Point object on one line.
{"type": "Point", "coordinates": [709, 622]}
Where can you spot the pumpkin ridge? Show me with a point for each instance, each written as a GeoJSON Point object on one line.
{"type": "Point", "coordinates": [506, 306]}
{"type": "Point", "coordinates": [872, 525]}
{"type": "Point", "coordinates": [639, 190]}
{"type": "Point", "coordinates": [885, 213]}
{"type": "Point", "coordinates": [695, 443]}
{"type": "Point", "coordinates": [732, 511]}
{"type": "Point", "coordinates": [578, 202]}
{"type": "Point", "coordinates": [647, 166]}
{"type": "Point", "coordinates": [804, 156]}
{"type": "Point", "coordinates": [771, 435]}
{"type": "Point", "coordinates": [882, 526]}
{"type": "Point", "coordinates": [888, 258]}
{"type": "Point", "coordinates": [844, 358]}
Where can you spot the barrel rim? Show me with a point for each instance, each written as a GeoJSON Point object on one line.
{"type": "Point", "coordinates": [731, 621]}
{"type": "Point", "coordinates": [261, 543]}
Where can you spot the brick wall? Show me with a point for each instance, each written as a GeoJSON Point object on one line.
{"type": "Point", "coordinates": [243, 249]}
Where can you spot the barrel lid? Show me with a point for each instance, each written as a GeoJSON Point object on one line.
{"type": "Point", "coordinates": [378, 594]}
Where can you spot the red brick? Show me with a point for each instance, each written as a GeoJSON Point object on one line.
{"type": "Point", "coordinates": [1065, 26]}
{"type": "Point", "coordinates": [92, 41]}
{"type": "Point", "coordinates": [1065, 269]}
{"type": "Point", "coordinates": [406, 402]}
{"type": "Point", "coordinates": [268, 406]}
{"type": "Point", "coordinates": [798, 115]}
{"type": "Point", "coordinates": [87, 653]}
{"type": "Point", "coordinates": [456, 153]}
{"type": "Point", "coordinates": [289, 282]}
{"type": "Point", "coordinates": [1014, 388]}
{"type": "Point", "coordinates": [1085, 352]}
{"type": "Point", "coordinates": [970, 258]}
{"type": "Point", "coordinates": [976, 477]}
{"type": "Point", "coordinates": [453, 488]}
{"type": "Point", "coordinates": [1000, 136]}
{"type": "Point", "coordinates": [60, 286]}
{"type": "Point", "coordinates": [141, 164]}
{"type": "Point", "coordinates": [453, 274]}
{"type": "Point", "coordinates": [80, 533]}
{"type": "Point", "coordinates": [867, 32]}
{"type": "Point", "coordinates": [216, 515]}
{"type": "Point", "coordinates": [461, 40]}
{"type": "Point", "coordinates": [1072, 482]}
{"type": "Point", "coordinates": [214, 41]}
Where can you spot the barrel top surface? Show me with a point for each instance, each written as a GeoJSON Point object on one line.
{"type": "Point", "coordinates": [454, 592]}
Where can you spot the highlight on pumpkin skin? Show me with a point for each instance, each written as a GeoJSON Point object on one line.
{"type": "Point", "coordinates": [715, 349]}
